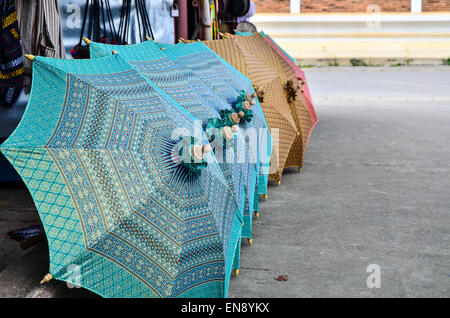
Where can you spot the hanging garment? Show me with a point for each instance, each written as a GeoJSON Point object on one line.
{"type": "Point", "coordinates": [214, 20]}
{"type": "Point", "coordinates": [40, 30]}
{"type": "Point", "coordinates": [299, 73]}
{"type": "Point", "coordinates": [11, 59]}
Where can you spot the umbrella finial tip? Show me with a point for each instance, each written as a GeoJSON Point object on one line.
{"type": "Point", "coordinates": [236, 272]}
{"type": "Point", "coordinates": [257, 214]}
{"type": "Point", "coordinates": [46, 278]}
{"type": "Point", "coordinates": [29, 56]}
{"type": "Point", "coordinates": [265, 197]}
{"type": "Point", "coordinates": [250, 242]}
{"type": "Point", "coordinates": [86, 40]}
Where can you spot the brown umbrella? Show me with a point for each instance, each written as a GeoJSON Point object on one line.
{"type": "Point", "coordinates": [258, 45]}
{"type": "Point", "coordinates": [300, 76]}
{"type": "Point", "coordinates": [269, 86]}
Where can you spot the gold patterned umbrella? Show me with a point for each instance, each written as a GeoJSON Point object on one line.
{"type": "Point", "coordinates": [258, 45]}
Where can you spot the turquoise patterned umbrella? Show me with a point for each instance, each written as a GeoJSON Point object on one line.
{"type": "Point", "coordinates": [205, 104]}
{"type": "Point", "coordinates": [196, 98]}
{"type": "Point", "coordinates": [131, 206]}
{"type": "Point", "coordinates": [226, 81]}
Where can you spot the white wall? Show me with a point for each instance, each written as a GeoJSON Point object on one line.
{"type": "Point", "coordinates": [360, 35]}
{"type": "Point", "coordinates": [295, 6]}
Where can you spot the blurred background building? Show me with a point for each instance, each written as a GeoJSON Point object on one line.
{"type": "Point", "coordinates": [346, 32]}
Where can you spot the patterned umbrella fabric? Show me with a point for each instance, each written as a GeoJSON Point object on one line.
{"type": "Point", "coordinates": [131, 207]}
{"type": "Point", "coordinates": [300, 76]}
{"type": "Point", "coordinates": [263, 51]}
{"type": "Point", "coordinates": [277, 111]}
{"type": "Point", "coordinates": [298, 72]}
{"type": "Point", "coordinates": [226, 82]}
{"type": "Point", "coordinates": [202, 101]}
{"type": "Point", "coordinates": [40, 29]}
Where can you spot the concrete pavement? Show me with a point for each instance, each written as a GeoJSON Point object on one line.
{"type": "Point", "coordinates": [373, 190]}
{"type": "Point", "coordinates": [387, 84]}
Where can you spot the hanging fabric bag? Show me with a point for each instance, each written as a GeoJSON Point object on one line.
{"type": "Point", "coordinates": [11, 58]}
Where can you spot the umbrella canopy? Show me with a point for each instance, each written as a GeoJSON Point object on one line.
{"type": "Point", "coordinates": [277, 111]}
{"type": "Point", "coordinates": [41, 31]}
{"type": "Point", "coordinates": [265, 53]}
{"type": "Point", "coordinates": [226, 81]}
{"type": "Point", "coordinates": [298, 72]}
{"type": "Point", "coordinates": [190, 91]}
{"type": "Point", "coordinates": [300, 76]}
{"type": "Point", "coordinates": [133, 202]}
